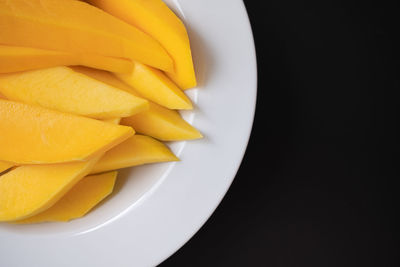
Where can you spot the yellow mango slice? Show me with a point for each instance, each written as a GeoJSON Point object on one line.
{"type": "Point", "coordinates": [77, 27]}
{"type": "Point", "coordinates": [32, 134]}
{"type": "Point", "coordinates": [155, 18]}
{"type": "Point", "coordinates": [163, 124]}
{"type": "Point", "coordinates": [137, 150]}
{"type": "Point", "coordinates": [78, 201]}
{"type": "Point", "coordinates": [5, 166]}
{"type": "Point", "coordinates": [28, 190]}
{"type": "Point", "coordinates": [15, 58]}
{"type": "Point", "coordinates": [63, 89]}
{"type": "Point", "coordinates": [157, 121]}
{"type": "Point", "coordinates": [155, 86]}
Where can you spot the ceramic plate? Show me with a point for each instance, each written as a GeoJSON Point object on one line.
{"type": "Point", "coordinates": [157, 208]}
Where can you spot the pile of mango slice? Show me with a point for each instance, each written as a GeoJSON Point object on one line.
{"type": "Point", "coordinates": [86, 88]}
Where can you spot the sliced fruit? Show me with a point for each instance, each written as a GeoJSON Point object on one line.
{"type": "Point", "coordinates": [77, 27]}
{"type": "Point", "coordinates": [155, 18]}
{"type": "Point", "coordinates": [163, 124]}
{"type": "Point", "coordinates": [16, 58]}
{"type": "Point", "coordinates": [27, 190]}
{"type": "Point", "coordinates": [137, 150]}
{"type": "Point", "coordinates": [5, 166]}
{"type": "Point", "coordinates": [157, 121]}
{"type": "Point", "coordinates": [155, 86]}
{"type": "Point", "coordinates": [78, 201]}
{"type": "Point", "coordinates": [63, 89]}
{"type": "Point", "coordinates": [32, 135]}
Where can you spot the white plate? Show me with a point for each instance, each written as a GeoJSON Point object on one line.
{"type": "Point", "coordinates": [159, 207]}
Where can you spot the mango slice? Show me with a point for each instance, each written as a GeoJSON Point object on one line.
{"type": "Point", "coordinates": [32, 135]}
{"type": "Point", "coordinates": [157, 121]}
{"type": "Point", "coordinates": [155, 86]}
{"type": "Point", "coordinates": [155, 18]}
{"type": "Point", "coordinates": [27, 190]}
{"type": "Point", "coordinates": [15, 58]}
{"type": "Point", "coordinates": [163, 124]}
{"type": "Point", "coordinates": [63, 89]}
{"type": "Point", "coordinates": [77, 27]}
{"type": "Point", "coordinates": [137, 150]}
{"type": "Point", "coordinates": [5, 166]}
{"type": "Point", "coordinates": [83, 197]}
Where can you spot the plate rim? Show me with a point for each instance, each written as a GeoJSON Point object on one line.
{"type": "Point", "coordinates": [243, 153]}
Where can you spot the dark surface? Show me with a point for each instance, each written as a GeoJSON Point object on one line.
{"type": "Point", "coordinates": [317, 185]}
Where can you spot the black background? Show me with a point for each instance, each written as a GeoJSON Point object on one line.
{"type": "Point", "coordinates": [317, 186]}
